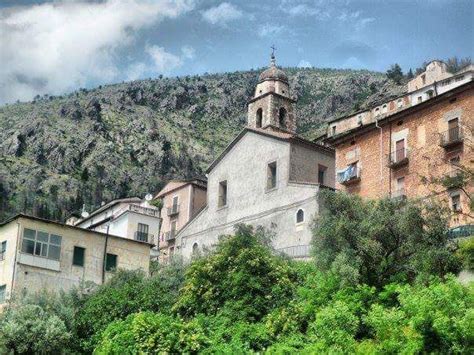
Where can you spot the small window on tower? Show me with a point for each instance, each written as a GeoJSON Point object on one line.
{"type": "Point", "coordinates": [282, 117]}
{"type": "Point", "coordinates": [259, 118]}
{"type": "Point", "coordinates": [271, 175]}
{"type": "Point", "coordinates": [456, 202]}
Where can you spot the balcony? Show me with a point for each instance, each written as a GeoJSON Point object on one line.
{"type": "Point", "coordinates": [451, 137]}
{"type": "Point", "coordinates": [171, 235]}
{"type": "Point", "coordinates": [350, 175]}
{"type": "Point", "coordinates": [143, 237]}
{"type": "Point", "coordinates": [173, 210]}
{"type": "Point", "coordinates": [138, 209]}
{"type": "Point", "coordinates": [398, 158]}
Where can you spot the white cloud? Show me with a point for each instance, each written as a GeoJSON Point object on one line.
{"type": "Point", "coordinates": [188, 52]}
{"type": "Point", "coordinates": [304, 64]}
{"type": "Point", "coordinates": [222, 14]}
{"type": "Point", "coordinates": [59, 46]}
{"type": "Point", "coordinates": [163, 61]}
{"type": "Point", "coordinates": [269, 30]}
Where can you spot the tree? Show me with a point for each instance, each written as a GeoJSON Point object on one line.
{"type": "Point", "coordinates": [454, 64]}
{"type": "Point", "coordinates": [377, 242]}
{"type": "Point", "coordinates": [241, 278]}
{"type": "Point", "coordinates": [410, 74]}
{"type": "Point", "coordinates": [395, 73]}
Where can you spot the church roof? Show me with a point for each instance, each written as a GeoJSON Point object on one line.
{"type": "Point", "coordinates": [273, 73]}
{"type": "Point", "coordinates": [280, 135]}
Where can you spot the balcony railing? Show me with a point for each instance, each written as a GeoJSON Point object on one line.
{"type": "Point", "coordinates": [143, 237]}
{"type": "Point", "coordinates": [171, 235]}
{"type": "Point", "coordinates": [139, 209]}
{"type": "Point", "coordinates": [349, 176]}
{"type": "Point", "coordinates": [398, 158]}
{"type": "Point", "coordinates": [173, 210]}
{"type": "Point", "coordinates": [451, 137]}
{"type": "Point", "coordinates": [296, 252]}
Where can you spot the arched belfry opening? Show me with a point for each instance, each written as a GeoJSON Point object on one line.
{"type": "Point", "coordinates": [259, 118]}
{"type": "Point", "coordinates": [282, 117]}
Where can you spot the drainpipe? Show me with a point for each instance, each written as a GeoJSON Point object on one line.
{"type": "Point", "coordinates": [381, 154]}
{"type": "Point", "coordinates": [17, 250]}
{"type": "Point", "coordinates": [104, 260]}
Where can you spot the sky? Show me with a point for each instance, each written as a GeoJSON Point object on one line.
{"type": "Point", "coordinates": [57, 46]}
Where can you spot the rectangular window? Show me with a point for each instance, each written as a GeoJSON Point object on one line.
{"type": "Point", "coordinates": [41, 244]}
{"type": "Point", "coordinates": [175, 202]}
{"type": "Point", "coordinates": [78, 256]}
{"type": "Point", "coordinates": [333, 130]}
{"type": "Point", "coordinates": [110, 262]}
{"type": "Point", "coordinates": [400, 153]}
{"type": "Point", "coordinates": [456, 202]}
{"type": "Point", "coordinates": [420, 99]}
{"type": "Point", "coordinates": [222, 194]}
{"type": "Point", "coordinates": [3, 291]}
{"type": "Point", "coordinates": [142, 232]}
{"type": "Point", "coordinates": [271, 175]}
{"type": "Point", "coordinates": [3, 249]}
{"type": "Point", "coordinates": [321, 174]}
{"type": "Point", "coordinates": [173, 226]}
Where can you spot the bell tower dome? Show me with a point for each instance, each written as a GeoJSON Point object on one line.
{"type": "Point", "coordinates": [272, 106]}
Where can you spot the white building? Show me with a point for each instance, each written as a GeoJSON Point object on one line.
{"type": "Point", "coordinates": [267, 176]}
{"type": "Point", "coordinates": [131, 218]}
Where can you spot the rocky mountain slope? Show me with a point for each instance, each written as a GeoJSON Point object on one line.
{"type": "Point", "coordinates": [58, 153]}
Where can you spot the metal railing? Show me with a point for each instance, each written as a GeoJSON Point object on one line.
{"type": "Point", "coordinates": [139, 209]}
{"type": "Point", "coordinates": [174, 209]}
{"type": "Point", "coordinates": [143, 237]}
{"type": "Point", "coordinates": [398, 157]}
{"type": "Point", "coordinates": [171, 235]}
{"type": "Point", "coordinates": [451, 136]}
{"type": "Point", "coordinates": [296, 251]}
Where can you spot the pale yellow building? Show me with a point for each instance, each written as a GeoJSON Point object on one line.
{"type": "Point", "coordinates": [40, 254]}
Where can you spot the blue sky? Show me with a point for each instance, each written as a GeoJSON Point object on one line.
{"type": "Point", "coordinates": [52, 47]}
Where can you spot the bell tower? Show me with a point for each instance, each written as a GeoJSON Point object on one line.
{"type": "Point", "coordinates": [272, 106]}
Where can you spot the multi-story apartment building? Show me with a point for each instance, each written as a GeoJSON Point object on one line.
{"type": "Point", "coordinates": [131, 218]}
{"type": "Point", "coordinates": [407, 152]}
{"type": "Point", "coordinates": [181, 200]}
{"type": "Point", "coordinates": [40, 254]}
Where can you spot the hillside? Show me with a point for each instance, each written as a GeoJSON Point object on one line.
{"type": "Point", "coordinates": [58, 153]}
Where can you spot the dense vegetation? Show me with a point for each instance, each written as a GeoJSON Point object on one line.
{"type": "Point", "coordinates": [58, 153]}
{"type": "Point", "coordinates": [242, 298]}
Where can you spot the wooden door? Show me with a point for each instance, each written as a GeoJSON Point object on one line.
{"type": "Point", "coordinates": [400, 150]}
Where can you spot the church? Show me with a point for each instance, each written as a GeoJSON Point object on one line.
{"type": "Point", "coordinates": [267, 176]}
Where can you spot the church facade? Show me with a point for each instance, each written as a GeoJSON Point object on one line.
{"type": "Point", "coordinates": [267, 176]}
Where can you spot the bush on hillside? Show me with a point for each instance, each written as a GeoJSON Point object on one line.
{"type": "Point", "coordinates": [378, 242]}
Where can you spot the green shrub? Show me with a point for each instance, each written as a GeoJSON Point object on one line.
{"type": "Point", "coordinates": [242, 277]}
{"type": "Point", "coordinates": [147, 333]}
{"type": "Point", "coordinates": [126, 293]}
{"type": "Point", "coordinates": [465, 253]}
{"type": "Point", "coordinates": [381, 241]}
{"type": "Point", "coordinates": [30, 329]}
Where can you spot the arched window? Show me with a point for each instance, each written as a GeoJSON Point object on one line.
{"type": "Point", "coordinates": [195, 248]}
{"type": "Point", "coordinates": [300, 216]}
{"type": "Point", "coordinates": [259, 118]}
{"type": "Point", "coordinates": [282, 117]}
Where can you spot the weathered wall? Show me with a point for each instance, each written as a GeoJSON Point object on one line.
{"type": "Point", "coordinates": [426, 157]}
{"type": "Point", "coordinates": [248, 201]}
{"type": "Point", "coordinates": [9, 234]}
{"type": "Point", "coordinates": [34, 273]}
{"type": "Point", "coordinates": [305, 165]}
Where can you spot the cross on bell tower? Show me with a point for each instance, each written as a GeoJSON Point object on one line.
{"type": "Point", "coordinates": [272, 106]}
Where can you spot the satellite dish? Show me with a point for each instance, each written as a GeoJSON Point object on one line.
{"type": "Point", "coordinates": [85, 214]}
{"type": "Point", "coordinates": [149, 197]}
